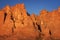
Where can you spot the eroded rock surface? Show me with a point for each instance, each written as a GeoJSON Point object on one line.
{"type": "Point", "coordinates": [17, 24]}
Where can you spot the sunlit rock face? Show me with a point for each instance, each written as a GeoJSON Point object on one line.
{"type": "Point", "coordinates": [17, 24]}
{"type": "Point", "coordinates": [50, 24]}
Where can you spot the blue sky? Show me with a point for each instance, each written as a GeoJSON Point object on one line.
{"type": "Point", "coordinates": [33, 6]}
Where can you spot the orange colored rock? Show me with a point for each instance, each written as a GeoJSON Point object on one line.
{"type": "Point", "coordinates": [50, 23]}
{"type": "Point", "coordinates": [17, 24]}
{"type": "Point", "coordinates": [59, 9]}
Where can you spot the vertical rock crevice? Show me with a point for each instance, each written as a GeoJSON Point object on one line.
{"type": "Point", "coordinates": [50, 32]}
{"type": "Point", "coordinates": [14, 27]}
{"type": "Point", "coordinates": [5, 14]}
{"type": "Point", "coordinates": [39, 27]}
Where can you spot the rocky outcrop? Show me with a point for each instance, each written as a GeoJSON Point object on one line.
{"type": "Point", "coordinates": [50, 23]}
{"type": "Point", "coordinates": [17, 24]}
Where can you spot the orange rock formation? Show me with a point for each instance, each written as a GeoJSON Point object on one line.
{"type": "Point", "coordinates": [17, 24]}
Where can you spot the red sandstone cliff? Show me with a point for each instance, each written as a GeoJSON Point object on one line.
{"type": "Point", "coordinates": [17, 24]}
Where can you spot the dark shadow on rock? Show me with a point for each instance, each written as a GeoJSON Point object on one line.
{"type": "Point", "coordinates": [5, 14]}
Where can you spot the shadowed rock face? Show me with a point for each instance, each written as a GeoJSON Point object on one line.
{"type": "Point", "coordinates": [17, 24]}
